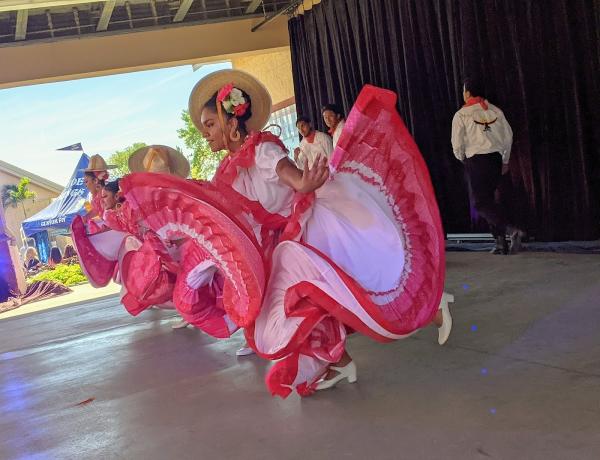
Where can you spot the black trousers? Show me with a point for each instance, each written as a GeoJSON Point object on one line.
{"type": "Point", "coordinates": [484, 173]}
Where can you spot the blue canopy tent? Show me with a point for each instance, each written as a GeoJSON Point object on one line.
{"type": "Point", "coordinates": [61, 212]}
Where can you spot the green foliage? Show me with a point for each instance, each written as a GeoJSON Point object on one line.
{"type": "Point", "coordinates": [203, 161]}
{"type": "Point", "coordinates": [12, 195]}
{"type": "Point", "coordinates": [121, 157]}
{"type": "Point", "coordinates": [68, 275]}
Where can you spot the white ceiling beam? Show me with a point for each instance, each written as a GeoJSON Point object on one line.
{"type": "Point", "coordinates": [154, 13]}
{"type": "Point", "coordinates": [21, 29]}
{"type": "Point", "coordinates": [17, 5]}
{"type": "Point", "coordinates": [129, 16]}
{"type": "Point", "coordinates": [253, 6]}
{"type": "Point", "coordinates": [184, 7]}
{"type": "Point", "coordinates": [77, 22]}
{"type": "Point", "coordinates": [107, 11]}
{"type": "Point", "coordinates": [50, 26]}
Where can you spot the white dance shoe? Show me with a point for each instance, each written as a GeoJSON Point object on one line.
{"type": "Point", "coordinates": [446, 327]}
{"type": "Point", "coordinates": [182, 324]}
{"type": "Point", "coordinates": [346, 372]}
{"type": "Point", "coordinates": [244, 351]}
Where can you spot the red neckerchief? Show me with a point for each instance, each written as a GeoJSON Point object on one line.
{"type": "Point", "coordinates": [476, 100]}
{"type": "Point", "coordinates": [332, 130]}
{"type": "Point", "coordinates": [311, 137]}
{"type": "Point", "coordinates": [244, 157]}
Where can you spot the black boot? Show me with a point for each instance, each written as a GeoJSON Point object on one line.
{"type": "Point", "coordinates": [501, 246]}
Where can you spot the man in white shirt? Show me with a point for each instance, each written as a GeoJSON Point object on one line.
{"type": "Point", "coordinates": [334, 119]}
{"type": "Point", "coordinates": [314, 144]}
{"type": "Point", "coordinates": [482, 140]}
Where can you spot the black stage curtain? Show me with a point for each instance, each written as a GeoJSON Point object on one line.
{"type": "Point", "coordinates": [539, 61]}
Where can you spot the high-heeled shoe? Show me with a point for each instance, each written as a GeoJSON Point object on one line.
{"type": "Point", "coordinates": [446, 327]}
{"type": "Point", "coordinates": [244, 351]}
{"type": "Point", "coordinates": [346, 372]}
{"type": "Point", "coordinates": [181, 324]}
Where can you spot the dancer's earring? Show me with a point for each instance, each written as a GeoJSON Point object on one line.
{"type": "Point", "coordinates": [235, 136]}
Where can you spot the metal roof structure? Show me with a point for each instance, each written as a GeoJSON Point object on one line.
{"type": "Point", "coordinates": [30, 20]}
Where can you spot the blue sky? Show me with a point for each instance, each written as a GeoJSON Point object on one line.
{"type": "Point", "coordinates": [105, 114]}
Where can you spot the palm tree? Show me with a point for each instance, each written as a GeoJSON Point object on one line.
{"type": "Point", "coordinates": [13, 195]}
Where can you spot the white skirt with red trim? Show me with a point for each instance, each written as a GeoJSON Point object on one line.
{"type": "Point", "coordinates": [370, 257]}
{"type": "Point", "coordinates": [221, 276]}
{"type": "Point", "coordinates": [98, 253]}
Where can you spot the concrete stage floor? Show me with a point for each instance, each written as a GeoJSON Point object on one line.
{"type": "Point", "coordinates": [518, 379]}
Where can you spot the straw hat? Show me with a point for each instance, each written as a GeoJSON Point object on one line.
{"type": "Point", "coordinates": [211, 84]}
{"type": "Point", "coordinates": [159, 159]}
{"type": "Point", "coordinates": [98, 164]}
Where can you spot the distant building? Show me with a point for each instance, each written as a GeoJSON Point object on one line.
{"type": "Point", "coordinates": [45, 191]}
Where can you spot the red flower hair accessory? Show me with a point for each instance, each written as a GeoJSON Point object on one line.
{"type": "Point", "coordinates": [101, 175]}
{"type": "Point", "coordinates": [233, 100]}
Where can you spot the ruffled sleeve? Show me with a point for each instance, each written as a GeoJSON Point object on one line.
{"type": "Point", "coordinates": [261, 182]}
{"type": "Point", "coordinates": [268, 155]}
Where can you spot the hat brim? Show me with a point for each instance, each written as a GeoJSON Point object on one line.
{"type": "Point", "coordinates": [180, 166]}
{"type": "Point", "coordinates": [99, 170]}
{"type": "Point", "coordinates": [206, 88]}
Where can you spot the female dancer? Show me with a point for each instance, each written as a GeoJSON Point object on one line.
{"type": "Point", "coordinates": [95, 176]}
{"type": "Point", "coordinates": [124, 242]}
{"type": "Point", "coordinates": [161, 159]}
{"type": "Point", "coordinates": [363, 251]}
{"type": "Point", "coordinates": [110, 196]}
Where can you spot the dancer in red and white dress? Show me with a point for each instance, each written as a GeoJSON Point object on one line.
{"type": "Point", "coordinates": [159, 159]}
{"type": "Point", "coordinates": [95, 176]}
{"type": "Point", "coordinates": [296, 257]}
{"type": "Point", "coordinates": [123, 249]}
{"type": "Point", "coordinates": [97, 249]}
{"type": "Point", "coordinates": [217, 254]}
